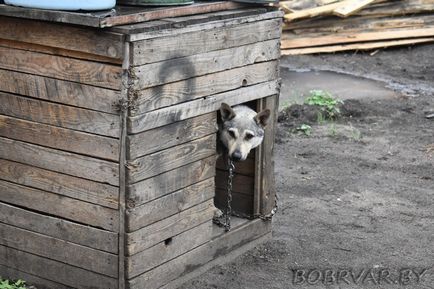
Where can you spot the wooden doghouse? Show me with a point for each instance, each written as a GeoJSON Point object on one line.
{"type": "Point", "coordinates": [108, 137]}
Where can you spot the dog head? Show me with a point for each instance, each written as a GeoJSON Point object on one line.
{"type": "Point", "coordinates": [241, 129]}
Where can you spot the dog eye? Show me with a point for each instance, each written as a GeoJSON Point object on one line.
{"type": "Point", "coordinates": [248, 136]}
{"type": "Point", "coordinates": [231, 133]}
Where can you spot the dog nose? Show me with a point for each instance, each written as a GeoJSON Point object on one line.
{"type": "Point", "coordinates": [236, 155]}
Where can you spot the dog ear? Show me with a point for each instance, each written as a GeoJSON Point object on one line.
{"type": "Point", "coordinates": [262, 117]}
{"type": "Point", "coordinates": [226, 112]}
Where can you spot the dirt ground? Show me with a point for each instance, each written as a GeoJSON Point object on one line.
{"type": "Point", "coordinates": [356, 197]}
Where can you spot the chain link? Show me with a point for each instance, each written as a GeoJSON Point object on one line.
{"type": "Point", "coordinates": [228, 212]}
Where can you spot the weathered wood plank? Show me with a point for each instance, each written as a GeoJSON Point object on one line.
{"type": "Point", "coordinates": [350, 37]}
{"type": "Point", "coordinates": [200, 256]}
{"type": "Point", "coordinates": [54, 270]}
{"type": "Point", "coordinates": [161, 29]}
{"type": "Point", "coordinates": [171, 135]}
{"type": "Point", "coordinates": [87, 72]}
{"type": "Point", "coordinates": [165, 183]}
{"type": "Point", "coordinates": [246, 167]}
{"type": "Point", "coordinates": [59, 161]}
{"type": "Point", "coordinates": [59, 115]}
{"type": "Point", "coordinates": [59, 228]}
{"type": "Point", "coordinates": [76, 188]}
{"type": "Point", "coordinates": [148, 14]}
{"type": "Point", "coordinates": [40, 283]}
{"type": "Point", "coordinates": [241, 184]}
{"type": "Point", "coordinates": [58, 51]}
{"type": "Point", "coordinates": [86, 19]}
{"type": "Point", "coordinates": [242, 204]}
{"type": "Point", "coordinates": [351, 7]}
{"type": "Point", "coordinates": [180, 22]}
{"type": "Point", "coordinates": [181, 91]}
{"type": "Point", "coordinates": [358, 24]}
{"type": "Point", "coordinates": [57, 205]}
{"type": "Point", "coordinates": [59, 138]}
{"type": "Point", "coordinates": [356, 46]}
{"type": "Point", "coordinates": [200, 106]}
{"type": "Point", "coordinates": [171, 204]}
{"type": "Point", "coordinates": [160, 231]}
{"type": "Point", "coordinates": [171, 158]}
{"type": "Point", "coordinates": [59, 250]}
{"type": "Point", "coordinates": [92, 41]}
{"type": "Point", "coordinates": [66, 92]}
{"type": "Point", "coordinates": [187, 44]}
{"type": "Point", "coordinates": [267, 181]}
{"type": "Point", "coordinates": [166, 251]}
{"type": "Point", "coordinates": [196, 65]}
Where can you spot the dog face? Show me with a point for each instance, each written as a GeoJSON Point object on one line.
{"type": "Point", "coordinates": [241, 129]}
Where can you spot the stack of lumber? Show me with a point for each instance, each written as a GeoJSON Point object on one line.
{"type": "Point", "coordinates": [320, 26]}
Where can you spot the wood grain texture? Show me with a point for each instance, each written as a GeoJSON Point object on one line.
{"type": "Point", "coordinates": [356, 46]}
{"type": "Point", "coordinates": [54, 270]}
{"type": "Point", "coordinates": [58, 51]}
{"type": "Point", "coordinates": [267, 181]}
{"type": "Point", "coordinates": [148, 14]}
{"type": "Point", "coordinates": [59, 115]}
{"type": "Point", "coordinates": [241, 184]}
{"type": "Point", "coordinates": [166, 251]}
{"type": "Point", "coordinates": [59, 161]}
{"type": "Point", "coordinates": [200, 106]}
{"type": "Point", "coordinates": [71, 209]}
{"type": "Point", "coordinates": [171, 158]}
{"type": "Point", "coordinates": [59, 138]}
{"type": "Point", "coordinates": [297, 42]}
{"type": "Point", "coordinates": [171, 135]}
{"type": "Point", "coordinates": [210, 84]}
{"type": "Point", "coordinates": [242, 204]}
{"type": "Point", "coordinates": [13, 274]}
{"type": "Point", "coordinates": [196, 65]}
{"type": "Point", "coordinates": [181, 22]}
{"type": "Point", "coordinates": [161, 28]}
{"type": "Point", "coordinates": [91, 41]}
{"type": "Point", "coordinates": [187, 44]}
{"type": "Point", "coordinates": [146, 237]}
{"type": "Point", "coordinates": [59, 228]}
{"type": "Point", "coordinates": [59, 67]}
{"type": "Point", "coordinates": [170, 204]}
{"type": "Point", "coordinates": [60, 91]}
{"type": "Point", "coordinates": [246, 167]}
{"type": "Point", "coordinates": [59, 250]}
{"type": "Point", "coordinates": [165, 183]}
{"type": "Point", "coordinates": [351, 7]}
{"type": "Point", "coordinates": [61, 184]}
{"type": "Point", "coordinates": [200, 256]}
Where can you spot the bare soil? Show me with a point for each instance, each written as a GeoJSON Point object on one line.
{"type": "Point", "coordinates": [356, 197]}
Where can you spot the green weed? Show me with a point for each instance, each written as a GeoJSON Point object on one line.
{"type": "Point", "coordinates": [305, 128]}
{"type": "Point", "coordinates": [7, 284]}
{"type": "Point", "coordinates": [326, 101]}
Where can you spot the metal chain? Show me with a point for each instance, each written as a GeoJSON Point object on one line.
{"type": "Point", "coordinates": [229, 196]}
{"type": "Point", "coordinates": [228, 212]}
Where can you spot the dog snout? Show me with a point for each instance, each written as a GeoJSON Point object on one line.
{"type": "Point", "coordinates": [236, 155]}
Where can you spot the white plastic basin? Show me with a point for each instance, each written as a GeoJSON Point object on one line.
{"type": "Point", "coordinates": [64, 4]}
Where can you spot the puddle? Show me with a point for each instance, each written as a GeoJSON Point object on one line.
{"type": "Point", "coordinates": [297, 84]}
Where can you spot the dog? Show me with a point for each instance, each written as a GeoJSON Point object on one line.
{"type": "Point", "coordinates": [240, 130]}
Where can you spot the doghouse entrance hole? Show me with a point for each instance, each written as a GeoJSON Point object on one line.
{"type": "Point", "coordinates": [243, 190]}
